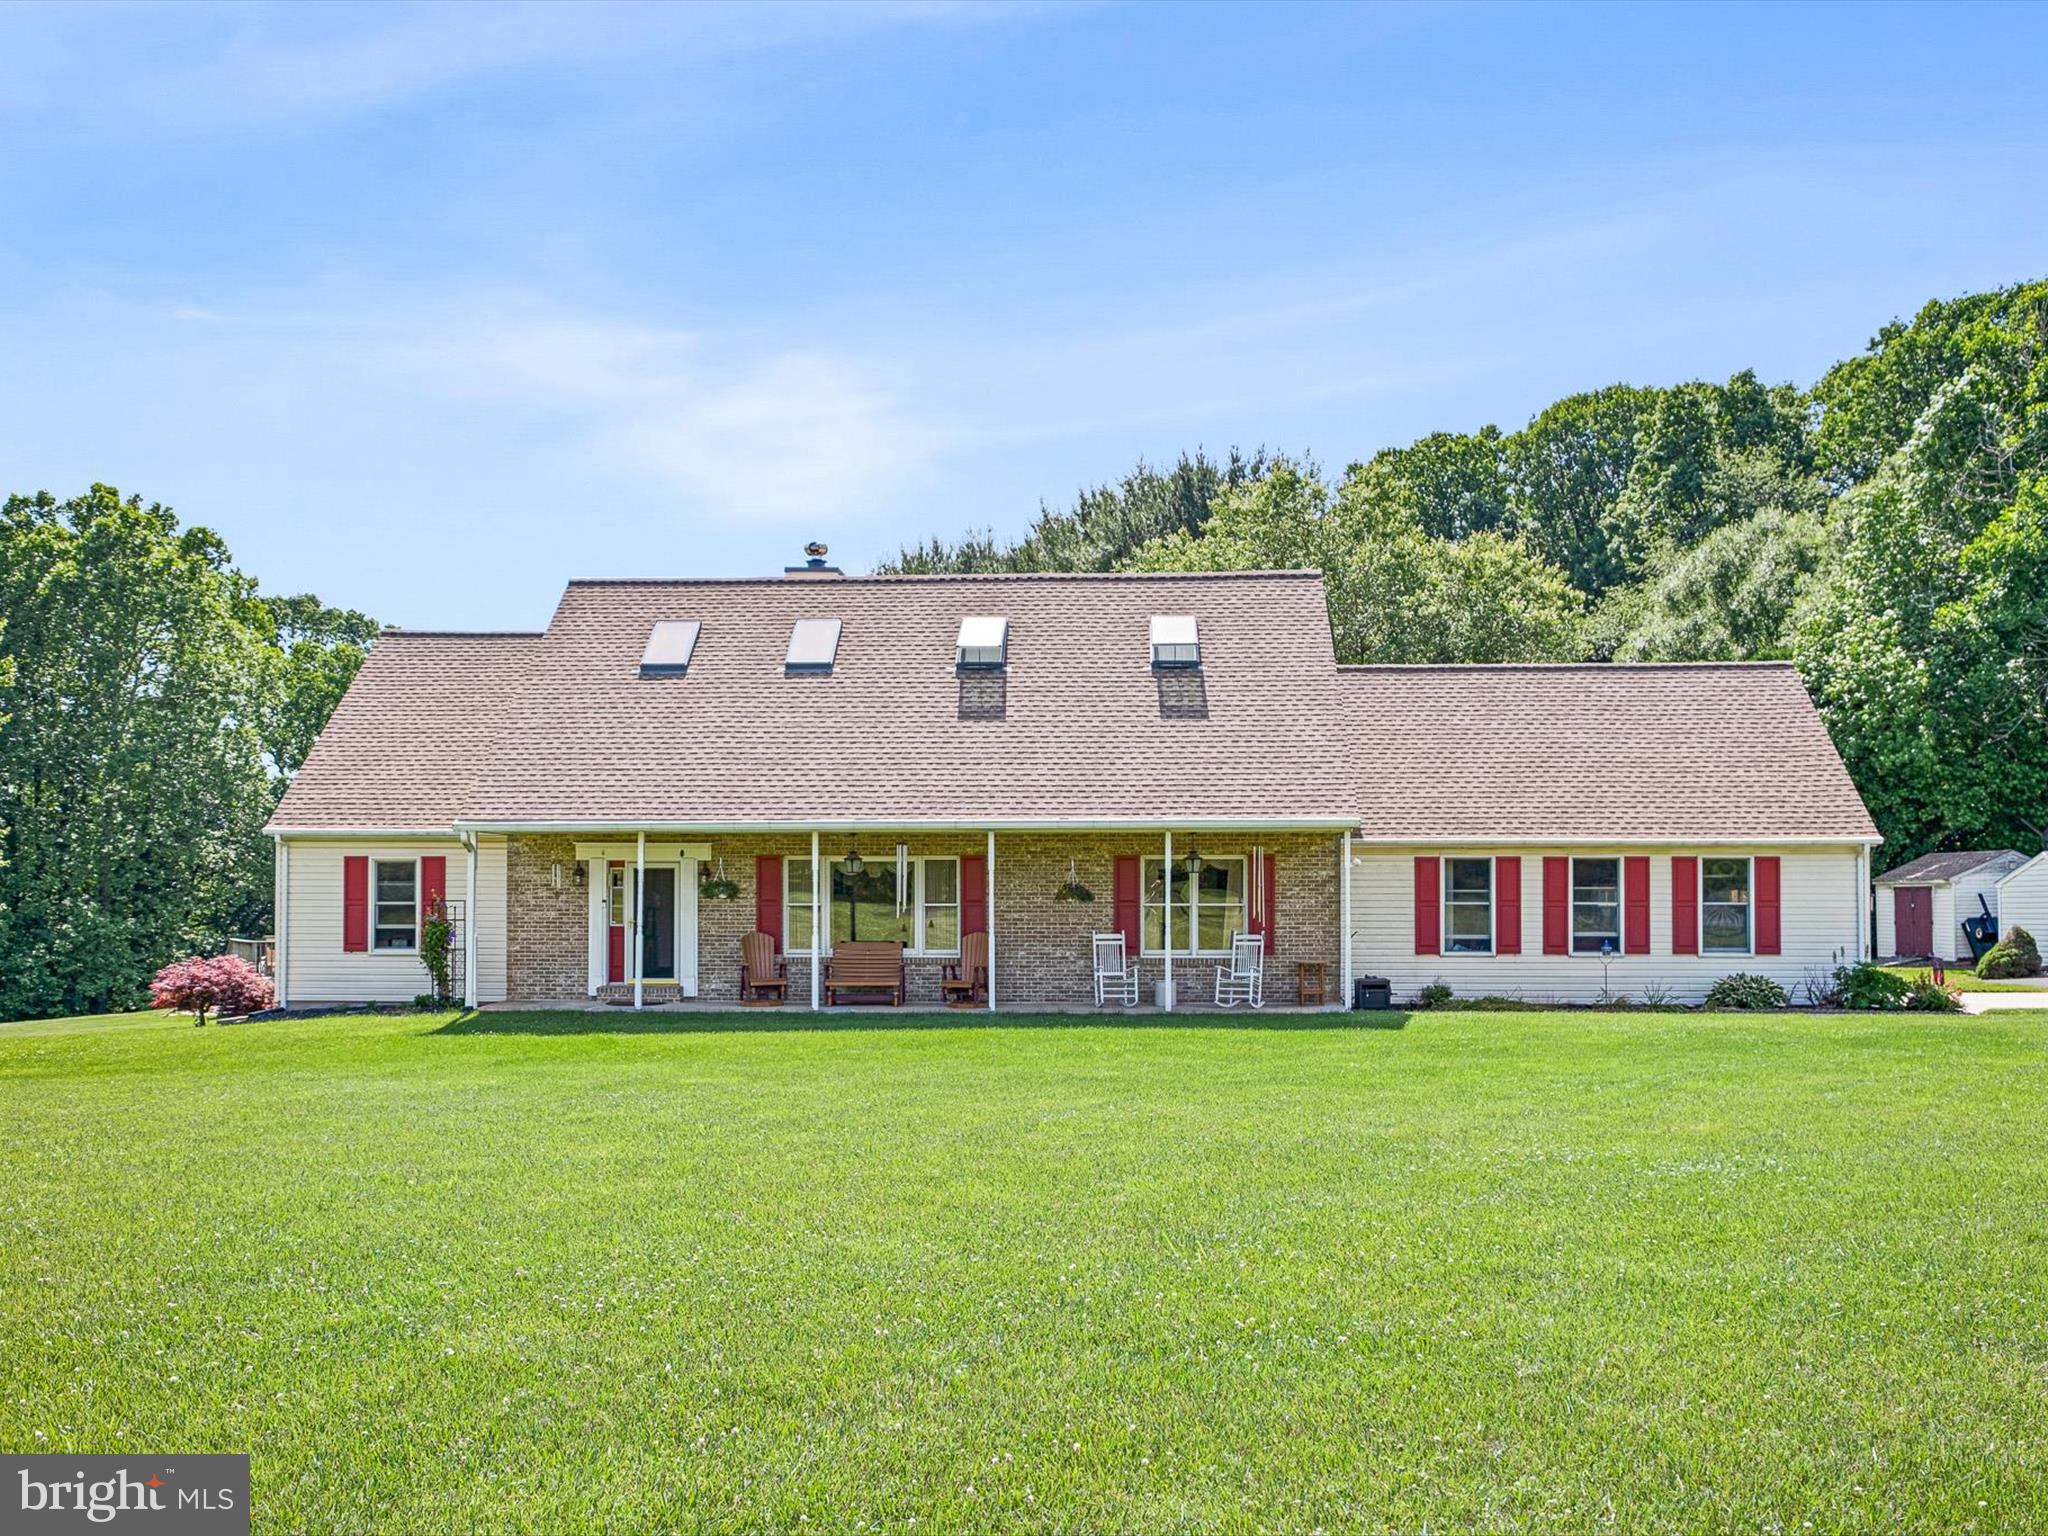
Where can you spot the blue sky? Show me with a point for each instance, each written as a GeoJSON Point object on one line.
{"type": "Point", "coordinates": [428, 309]}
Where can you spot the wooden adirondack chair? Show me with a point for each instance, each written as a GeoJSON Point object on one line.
{"type": "Point", "coordinates": [967, 978]}
{"type": "Point", "coordinates": [762, 970]}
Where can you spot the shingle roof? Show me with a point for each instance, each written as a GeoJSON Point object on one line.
{"type": "Point", "coordinates": [1082, 728]}
{"type": "Point", "coordinates": [1948, 866]}
{"type": "Point", "coordinates": [1707, 751]}
{"type": "Point", "coordinates": [405, 747]}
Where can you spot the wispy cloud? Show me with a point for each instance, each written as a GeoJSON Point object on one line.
{"type": "Point", "coordinates": [780, 435]}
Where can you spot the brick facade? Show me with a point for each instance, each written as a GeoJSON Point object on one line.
{"type": "Point", "coordinates": [1041, 944]}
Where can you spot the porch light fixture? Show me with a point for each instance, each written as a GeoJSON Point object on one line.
{"type": "Point", "coordinates": [1193, 863]}
{"type": "Point", "coordinates": [854, 862]}
{"type": "Point", "coordinates": [582, 875]}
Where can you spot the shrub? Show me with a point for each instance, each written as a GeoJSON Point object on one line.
{"type": "Point", "coordinates": [216, 983]}
{"type": "Point", "coordinates": [2014, 955]}
{"type": "Point", "coordinates": [1746, 990]}
{"type": "Point", "coordinates": [1928, 996]}
{"type": "Point", "coordinates": [1864, 985]}
{"type": "Point", "coordinates": [1435, 995]}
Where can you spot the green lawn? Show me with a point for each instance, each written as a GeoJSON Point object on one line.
{"type": "Point", "coordinates": [1959, 977]}
{"type": "Point", "coordinates": [1476, 1271]}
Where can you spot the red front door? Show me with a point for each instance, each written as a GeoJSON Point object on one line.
{"type": "Point", "coordinates": [1913, 919]}
{"type": "Point", "coordinates": [615, 920]}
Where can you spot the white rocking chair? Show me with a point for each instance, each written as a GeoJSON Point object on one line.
{"type": "Point", "coordinates": [1244, 979]}
{"type": "Point", "coordinates": [1116, 976]}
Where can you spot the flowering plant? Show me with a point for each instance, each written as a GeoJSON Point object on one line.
{"type": "Point", "coordinates": [219, 984]}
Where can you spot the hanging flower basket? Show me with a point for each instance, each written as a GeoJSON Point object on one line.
{"type": "Point", "coordinates": [718, 888]}
{"type": "Point", "coordinates": [1072, 890]}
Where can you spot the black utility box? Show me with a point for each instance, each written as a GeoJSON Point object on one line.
{"type": "Point", "coordinates": [1372, 992]}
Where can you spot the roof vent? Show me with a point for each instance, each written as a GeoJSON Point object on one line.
{"type": "Point", "coordinates": [814, 565]}
{"type": "Point", "coordinates": [1174, 642]}
{"type": "Point", "coordinates": [984, 644]}
{"type": "Point", "coordinates": [813, 646]}
{"type": "Point", "coordinates": [670, 644]}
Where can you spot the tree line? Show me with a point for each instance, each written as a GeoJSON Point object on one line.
{"type": "Point", "coordinates": [153, 704]}
{"type": "Point", "coordinates": [1885, 529]}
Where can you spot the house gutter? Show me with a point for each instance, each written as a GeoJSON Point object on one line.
{"type": "Point", "coordinates": [883, 824]}
{"type": "Point", "coordinates": [1411, 840]}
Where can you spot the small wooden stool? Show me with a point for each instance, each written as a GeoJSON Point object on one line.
{"type": "Point", "coordinates": [1310, 984]}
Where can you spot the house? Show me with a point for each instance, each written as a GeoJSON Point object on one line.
{"type": "Point", "coordinates": [1922, 905]}
{"type": "Point", "coordinates": [609, 808]}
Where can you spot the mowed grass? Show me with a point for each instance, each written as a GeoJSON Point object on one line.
{"type": "Point", "coordinates": [1564, 1271]}
{"type": "Point", "coordinates": [1961, 977]}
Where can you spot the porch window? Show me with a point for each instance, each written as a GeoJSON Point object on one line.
{"type": "Point", "coordinates": [1596, 906]}
{"type": "Point", "coordinates": [863, 906]}
{"type": "Point", "coordinates": [1468, 906]}
{"type": "Point", "coordinates": [1210, 907]}
{"type": "Point", "coordinates": [396, 925]}
{"type": "Point", "coordinates": [616, 885]}
{"type": "Point", "coordinates": [1724, 906]}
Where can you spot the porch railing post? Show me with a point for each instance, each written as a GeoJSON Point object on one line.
{"type": "Point", "coordinates": [817, 921]}
{"type": "Point", "coordinates": [1166, 998]}
{"type": "Point", "coordinates": [469, 988]}
{"type": "Point", "coordinates": [989, 906]}
{"type": "Point", "coordinates": [639, 897]}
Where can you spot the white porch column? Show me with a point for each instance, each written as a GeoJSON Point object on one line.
{"type": "Point", "coordinates": [633, 933]}
{"type": "Point", "coordinates": [1344, 919]}
{"type": "Point", "coordinates": [281, 920]}
{"type": "Point", "coordinates": [469, 992]}
{"type": "Point", "coordinates": [988, 905]}
{"type": "Point", "coordinates": [1166, 997]}
{"type": "Point", "coordinates": [817, 922]}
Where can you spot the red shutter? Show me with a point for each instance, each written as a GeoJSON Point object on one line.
{"type": "Point", "coordinates": [1767, 922]}
{"type": "Point", "coordinates": [768, 896]}
{"type": "Point", "coordinates": [1557, 906]}
{"type": "Point", "coordinates": [433, 882]}
{"type": "Point", "coordinates": [355, 903]}
{"type": "Point", "coordinates": [1685, 905]}
{"type": "Point", "coordinates": [974, 893]}
{"type": "Point", "coordinates": [1507, 905]}
{"type": "Point", "coordinates": [1429, 910]}
{"type": "Point", "coordinates": [1126, 905]}
{"type": "Point", "coordinates": [1266, 925]}
{"type": "Point", "coordinates": [1635, 906]}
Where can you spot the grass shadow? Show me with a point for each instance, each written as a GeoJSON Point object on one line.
{"type": "Point", "coordinates": [767, 1021]}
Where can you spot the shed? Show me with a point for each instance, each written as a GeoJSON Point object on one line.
{"type": "Point", "coordinates": [1921, 905]}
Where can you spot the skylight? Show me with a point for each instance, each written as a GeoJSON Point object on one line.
{"type": "Point", "coordinates": [670, 644]}
{"type": "Point", "coordinates": [813, 645]}
{"type": "Point", "coordinates": [1174, 642]}
{"type": "Point", "coordinates": [984, 644]}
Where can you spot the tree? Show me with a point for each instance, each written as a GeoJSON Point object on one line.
{"type": "Point", "coordinates": [1567, 470]}
{"type": "Point", "coordinates": [1731, 597]}
{"type": "Point", "coordinates": [317, 651]}
{"type": "Point", "coordinates": [1455, 482]}
{"type": "Point", "coordinates": [1394, 593]}
{"type": "Point", "coordinates": [218, 984]}
{"type": "Point", "coordinates": [1105, 524]}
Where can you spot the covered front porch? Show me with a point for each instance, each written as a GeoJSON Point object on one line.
{"type": "Point", "coordinates": [996, 918]}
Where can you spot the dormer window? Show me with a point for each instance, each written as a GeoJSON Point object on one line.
{"type": "Point", "coordinates": [670, 645]}
{"type": "Point", "coordinates": [984, 644]}
{"type": "Point", "coordinates": [1175, 645]}
{"type": "Point", "coordinates": [813, 646]}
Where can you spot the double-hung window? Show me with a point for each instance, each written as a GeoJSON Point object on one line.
{"type": "Point", "coordinates": [864, 904]}
{"type": "Point", "coordinates": [1468, 906]}
{"type": "Point", "coordinates": [1209, 907]}
{"type": "Point", "coordinates": [1596, 906]}
{"type": "Point", "coordinates": [1724, 906]}
{"type": "Point", "coordinates": [396, 922]}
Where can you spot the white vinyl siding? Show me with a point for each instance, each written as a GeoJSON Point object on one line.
{"type": "Point", "coordinates": [2023, 901]}
{"type": "Point", "coordinates": [321, 971]}
{"type": "Point", "coordinates": [1821, 892]}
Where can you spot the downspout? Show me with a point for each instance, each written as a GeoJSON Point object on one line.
{"type": "Point", "coordinates": [817, 921]}
{"type": "Point", "coordinates": [989, 906]}
{"type": "Point", "coordinates": [469, 988]}
{"type": "Point", "coordinates": [1344, 918]}
{"type": "Point", "coordinates": [281, 906]}
{"type": "Point", "coordinates": [639, 896]}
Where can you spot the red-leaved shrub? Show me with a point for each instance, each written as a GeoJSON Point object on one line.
{"type": "Point", "coordinates": [215, 983]}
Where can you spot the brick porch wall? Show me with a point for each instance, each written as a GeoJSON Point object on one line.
{"type": "Point", "coordinates": [1042, 945]}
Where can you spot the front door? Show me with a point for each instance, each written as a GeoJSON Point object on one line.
{"type": "Point", "coordinates": [658, 931]}
{"type": "Point", "coordinates": [1913, 919]}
